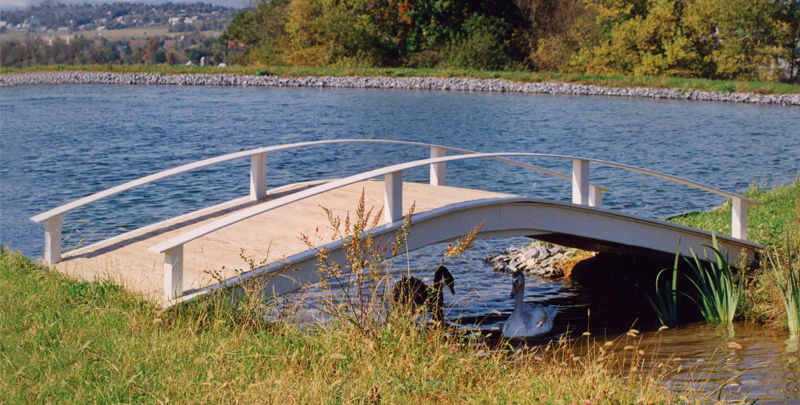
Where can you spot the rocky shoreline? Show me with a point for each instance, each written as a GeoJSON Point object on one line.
{"type": "Point", "coordinates": [400, 83]}
{"type": "Point", "coordinates": [537, 259]}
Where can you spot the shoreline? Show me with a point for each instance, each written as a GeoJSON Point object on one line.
{"type": "Point", "coordinates": [389, 83]}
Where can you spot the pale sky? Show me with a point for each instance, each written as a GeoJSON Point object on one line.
{"type": "Point", "coordinates": [26, 3]}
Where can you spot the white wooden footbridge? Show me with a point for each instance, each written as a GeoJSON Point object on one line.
{"type": "Point", "coordinates": [171, 261]}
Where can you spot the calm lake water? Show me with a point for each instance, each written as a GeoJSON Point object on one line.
{"type": "Point", "coordinates": [64, 142]}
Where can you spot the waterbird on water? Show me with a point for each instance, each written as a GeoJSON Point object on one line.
{"type": "Point", "coordinates": [527, 320]}
{"type": "Point", "coordinates": [412, 291]}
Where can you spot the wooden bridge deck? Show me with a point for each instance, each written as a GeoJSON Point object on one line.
{"type": "Point", "coordinates": [275, 234]}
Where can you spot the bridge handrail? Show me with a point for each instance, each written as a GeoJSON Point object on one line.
{"type": "Point", "coordinates": [44, 216]}
{"type": "Point", "coordinates": [184, 238]}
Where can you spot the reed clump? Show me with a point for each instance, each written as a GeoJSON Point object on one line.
{"type": "Point", "coordinates": [716, 289]}
{"type": "Point", "coordinates": [665, 302]}
{"type": "Point", "coordinates": [713, 288]}
{"type": "Point", "coordinates": [784, 263]}
{"type": "Point", "coordinates": [771, 223]}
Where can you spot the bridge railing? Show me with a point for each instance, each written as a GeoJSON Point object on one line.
{"type": "Point", "coordinates": [393, 202]}
{"type": "Point", "coordinates": [52, 219]}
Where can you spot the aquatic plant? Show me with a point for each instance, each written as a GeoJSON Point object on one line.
{"type": "Point", "coordinates": [784, 261]}
{"type": "Point", "coordinates": [771, 223]}
{"type": "Point", "coordinates": [665, 302]}
{"type": "Point", "coordinates": [717, 289]}
{"type": "Point", "coordinates": [788, 285]}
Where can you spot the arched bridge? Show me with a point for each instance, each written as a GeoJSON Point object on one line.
{"type": "Point", "coordinates": [193, 254]}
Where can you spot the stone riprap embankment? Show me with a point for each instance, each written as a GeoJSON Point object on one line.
{"type": "Point", "coordinates": [536, 259]}
{"type": "Point", "coordinates": [402, 83]}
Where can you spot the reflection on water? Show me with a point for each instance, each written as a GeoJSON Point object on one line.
{"type": "Point", "coordinates": [752, 360]}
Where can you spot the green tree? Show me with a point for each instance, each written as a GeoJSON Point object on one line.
{"type": "Point", "coordinates": [789, 14]}
{"type": "Point", "coordinates": [745, 35]}
{"type": "Point", "coordinates": [261, 30]}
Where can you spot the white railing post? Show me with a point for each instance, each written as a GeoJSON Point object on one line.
{"type": "Point", "coordinates": [580, 181]}
{"type": "Point", "coordinates": [52, 239]}
{"type": "Point", "coordinates": [258, 176]}
{"type": "Point", "coordinates": [738, 218]}
{"type": "Point", "coordinates": [595, 196]}
{"type": "Point", "coordinates": [438, 169]}
{"type": "Point", "coordinates": [393, 197]}
{"type": "Point", "coordinates": [173, 273]}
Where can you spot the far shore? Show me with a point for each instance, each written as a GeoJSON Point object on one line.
{"type": "Point", "coordinates": [413, 79]}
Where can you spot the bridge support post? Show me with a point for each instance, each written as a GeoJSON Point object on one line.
{"type": "Point", "coordinates": [738, 218]}
{"type": "Point", "coordinates": [52, 240]}
{"type": "Point", "coordinates": [580, 181]}
{"type": "Point", "coordinates": [393, 197]}
{"type": "Point", "coordinates": [595, 196]}
{"type": "Point", "coordinates": [438, 169]}
{"type": "Point", "coordinates": [173, 273]}
{"type": "Point", "coordinates": [258, 176]}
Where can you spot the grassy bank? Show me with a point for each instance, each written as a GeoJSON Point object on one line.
{"type": "Point", "coordinates": [722, 86]}
{"type": "Point", "coordinates": [67, 341]}
{"type": "Point", "coordinates": [775, 223]}
{"type": "Point", "coordinates": [74, 342]}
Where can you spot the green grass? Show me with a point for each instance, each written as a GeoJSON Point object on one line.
{"type": "Point", "coordinates": [767, 222]}
{"type": "Point", "coordinates": [723, 86]}
{"type": "Point", "coordinates": [63, 341]}
{"type": "Point", "coordinates": [773, 223]}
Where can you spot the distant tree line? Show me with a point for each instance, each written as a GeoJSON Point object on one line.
{"type": "Point", "coordinates": [48, 16]}
{"type": "Point", "coordinates": [80, 50]}
{"type": "Point", "coordinates": [746, 39]}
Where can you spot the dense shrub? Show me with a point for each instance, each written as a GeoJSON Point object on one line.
{"type": "Point", "coordinates": [483, 44]}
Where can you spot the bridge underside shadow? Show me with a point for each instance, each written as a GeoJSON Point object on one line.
{"type": "Point", "coordinates": [567, 224]}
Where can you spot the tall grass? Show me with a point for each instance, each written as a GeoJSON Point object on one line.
{"type": "Point", "coordinates": [665, 302]}
{"type": "Point", "coordinates": [717, 289]}
{"type": "Point", "coordinates": [784, 264]}
{"type": "Point", "coordinates": [64, 341]}
{"type": "Point", "coordinates": [789, 286]}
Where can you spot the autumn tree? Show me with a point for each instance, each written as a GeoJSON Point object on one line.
{"type": "Point", "coordinates": [152, 48]}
